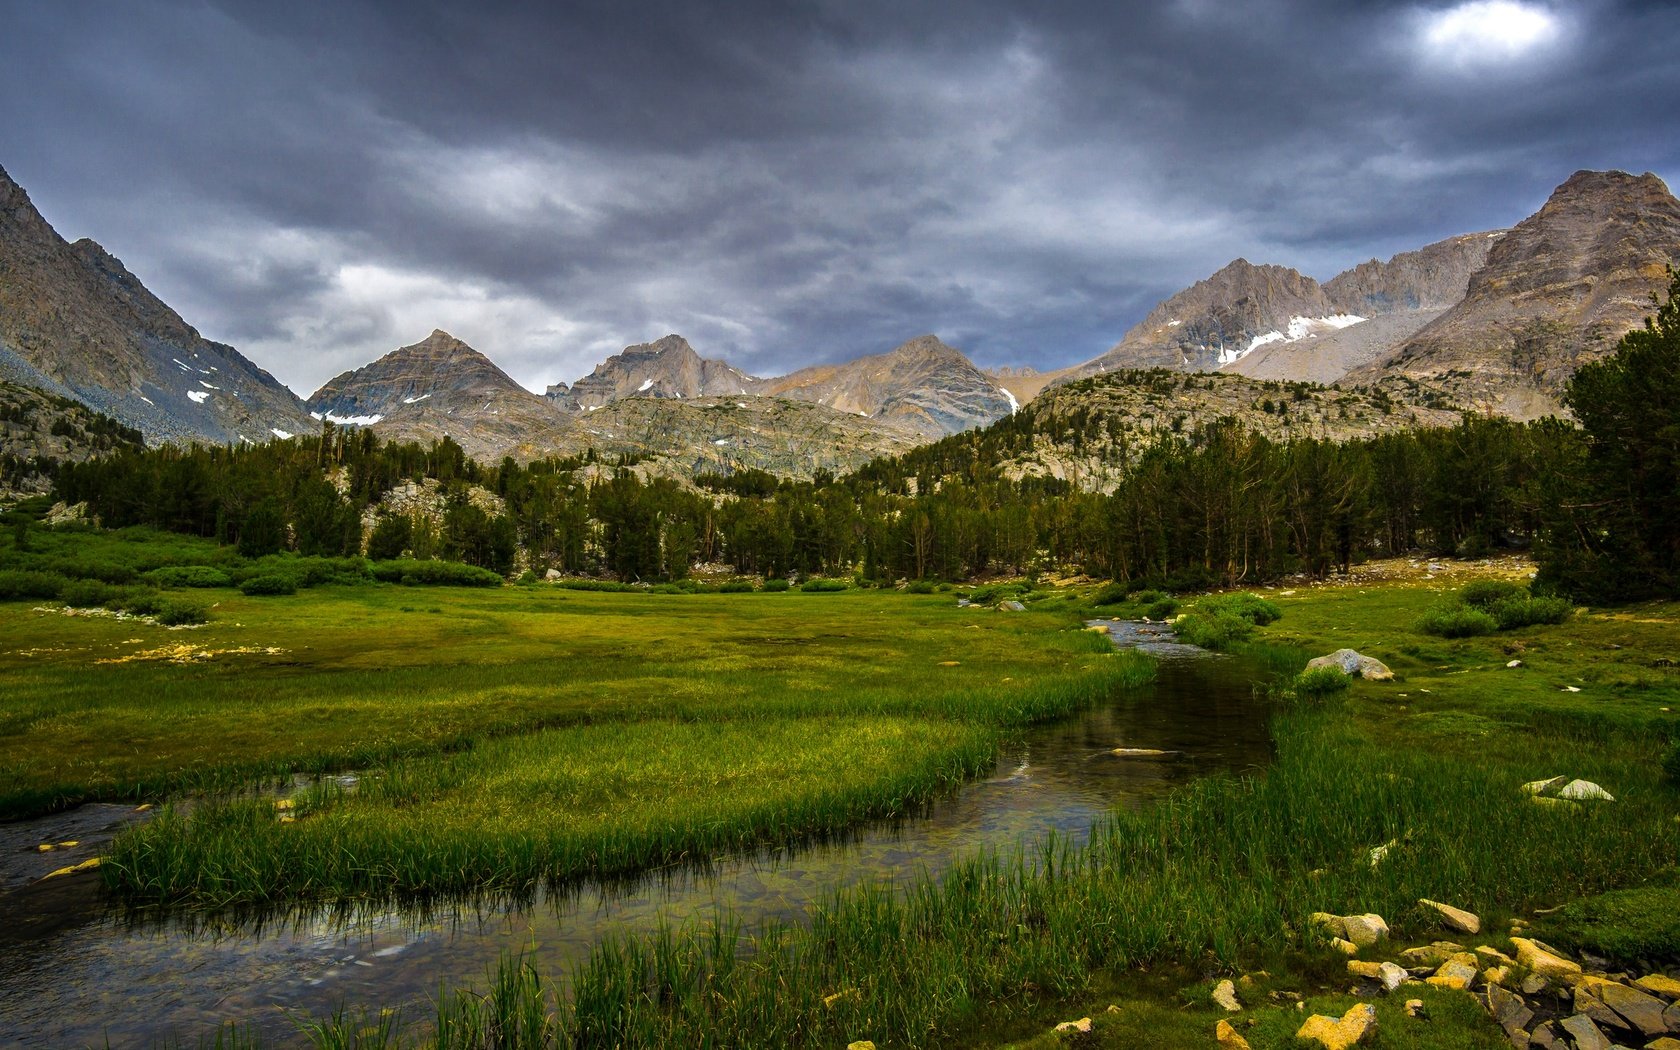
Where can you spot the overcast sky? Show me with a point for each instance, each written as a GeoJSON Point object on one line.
{"type": "Point", "coordinates": [785, 183]}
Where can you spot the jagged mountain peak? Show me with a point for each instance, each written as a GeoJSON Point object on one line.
{"type": "Point", "coordinates": [1558, 290]}
{"type": "Point", "coordinates": [667, 367]}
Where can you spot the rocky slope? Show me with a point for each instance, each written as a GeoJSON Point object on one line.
{"type": "Point", "coordinates": [668, 368]}
{"type": "Point", "coordinates": [76, 323]}
{"type": "Point", "coordinates": [1557, 291]}
{"type": "Point", "coordinates": [723, 434]}
{"type": "Point", "coordinates": [1433, 278]}
{"type": "Point", "coordinates": [441, 387]}
{"type": "Point", "coordinates": [37, 426]}
{"type": "Point", "coordinates": [1086, 431]}
{"type": "Point", "coordinates": [922, 386]}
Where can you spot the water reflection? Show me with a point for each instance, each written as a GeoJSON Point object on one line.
{"type": "Point", "coordinates": [139, 977]}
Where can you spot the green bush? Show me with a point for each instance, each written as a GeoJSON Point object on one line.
{"type": "Point", "coordinates": [1318, 682]}
{"type": "Point", "coordinates": [1109, 594]}
{"type": "Point", "coordinates": [822, 586]}
{"type": "Point", "coordinates": [173, 612]}
{"type": "Point", "coordinates": [1485, 593]}
{"type": "Point", "coordinates": [86, 594]}
{"type": "Point", "coordinates": [586, 585]}
{"type": "Point", "coordinates": [1627, 926]}
{"type": "Point", "coordinates": [1526, 611]}
{"type": "Point", "coordinates": [1162, 609]}
{"type": "Point", "coordinates": [188, 576]}
{"type": "Point", "coordinates": [1149, 597]}
{"type": "Point", "coordinates": [1216, 630]}
{"type": "Point", "coordinates": [776, 585]}
{"type": "Point", "coordinates": [140, 601]}
{"type": "Point", "coordinates": [998, 592]}
{"type": "Point", "coordinates": [417, 573]}
{"type": "Point", "coordinates": [736, 587]}
{"type": "Point", "coordinates": [1251, 607]}
{"type": "Point", "coordinates": [919, 587]}
{"type": "Point", "coordinates": [1456, 621]}
{"type": "Point", "coordinates": [268, 585]}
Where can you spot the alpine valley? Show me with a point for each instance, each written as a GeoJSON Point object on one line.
{"type": "Point", "coordinates": [1488, 322]}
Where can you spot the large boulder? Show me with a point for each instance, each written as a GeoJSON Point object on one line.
{"type": "Point", "coordinates": [1537, 959]}
{"type": "Point", "coordinates": [1354, 664]}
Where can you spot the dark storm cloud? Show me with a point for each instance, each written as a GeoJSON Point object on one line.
{"type": "Point", "coordinates": [783, 183]}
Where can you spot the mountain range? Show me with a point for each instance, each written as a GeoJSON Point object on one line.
{"type": "Point", "coordinates": [1495, 321]}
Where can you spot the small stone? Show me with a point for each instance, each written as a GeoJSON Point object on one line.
{"type": "Point", "coordinates": [1391, 975]}
{"type": "Point", "coordinates": [1431, 955]}
{"type": "Point", "coordinates": [1510, 1012]}
{"type": "Point", "coordinates": [1414, 1008]}
{"type": "Point", "coordinates": [1451, 982]}
{"type": "Point", "coordinates": [1497, 975]}
{"type": "Point", "coordinates": [1227, 1038]}
{"type": "Point", "coordinates": [1225, 996]}
{"type": "Point", "coordinates": [1345, 947]}
{"type": "Point", "coordinates": [1586, 1034]}
{"type": "Point", "coordinates": [1454, 918]}
{"type": "Point", "coordinates": [1543, 1038]}
{"type": "Point", "coordinates": [1671, 1018]}
{"type": "Point", "coordinates": [1658, 984]}
{"type": "Point", "coordinates": [1364, 930]}
{"type": "Point", "coordinates": [1533, 984]}
{"type": "Point", "coordinates": [1545, 787]}
{"type": "Point", "coordinates": [1589, 1004]}
{"type": "Point", "coordinates": [1364, 969]}
{"type": "Point", "coordinates": [861, 1044]}
{"type": "Point", "coordinates": [1663, 1043]}
{"type": "Point", "coordinates": [1643, 1011]}
{"type": "Point", "coordinates": [1081, 1025]}
{"type": "Point", "coordinates": [1140, 752]}
{"type": "Point", "coordinates": [1553, 803]}
{"type": "Point", "coordinates": [1585, 791]}
{"type": "Point", "coordinates": [1514, 663]}
{"type": "Point", "coordinates": [1493, 955]}
{"type": "Point", "coordinates": [1331, 924]}
{"type": "Point", "coordinates": [1351, 1029]}
{"type": "Point", "coordinates": [1540, 961]}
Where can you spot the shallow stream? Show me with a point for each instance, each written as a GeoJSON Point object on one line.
{"type": "Point", "coordinates": [76, 971]}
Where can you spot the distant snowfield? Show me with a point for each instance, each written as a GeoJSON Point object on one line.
{"type": "Point", "coordinates": [413, 400]}
{"type": "Point", "coordinates": [198, 396]}
{"type": "Point", "coordinates": [1298, 328]}
{"type": "Point", "coordinates": [349, 421]}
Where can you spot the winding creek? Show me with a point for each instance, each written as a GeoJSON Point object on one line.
{"type": "Point", "coordinates": [75, 971]}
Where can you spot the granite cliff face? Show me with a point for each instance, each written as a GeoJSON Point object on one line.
{"type": "Point", "coordinates": [1559, 290]}
{"type": "Point", "coordinates": [440, 387]}
{"type": "Point", "coordinates": [668, 368]}
{"type": "Point", "coordinates": [922, 386]}
{"type": "Point", "coordinates": [1432, 278]}
{"type": "Point", "coordinates": [74, 322]}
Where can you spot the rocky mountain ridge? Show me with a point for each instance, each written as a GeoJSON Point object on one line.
{"type": "Point", "coordinates": [76, 323]}
{"type": "Point", "coordinates": [666, 368]}
{"type": "Point", "coordinates": [1559, 290]}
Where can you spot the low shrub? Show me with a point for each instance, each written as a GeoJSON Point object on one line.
{"type": "Point", "coordinates": [87, 594]}
{"type": "Point", "coordinates": [736, 587]}
{"type": "Point", "coordinates": [1626, 926]}
{"type": "Point", "coordinates": [586, 585]}
{"type": "Point", "coordinates": [269, 585]}
{"type": "Point", "coordinates": [1109, 594]}
{"type": "Point", "coordinates": [188, 576]}
{"type": "Point", "coordinates": [1484, 593]}
{"type": "Point", "coordinates": [140, 601]}
{"type": "Point", "coordinates": [416, 573]}
{"type": "Point", "coordinates": [998, 592]}
{"type": "Point", "coordinates": [776, 585]}
{"type": "Point", "coordinates": [1315, 683]}
{"type": "Point", "coordinates": [1162, 609]}
{"type": "Point", "coordinates": [1148, 597]}
{"type": "Point", "coordinates": [919, 587]}
{"type": "Point", "coordinates": [174, 612]}
{"type": "Point", "coordinates": [819, 585]}
{"type": "Point", "coordinates": [22, 584]}
{"type": "Point", "coordinates": [1526, 611]}
{"type": "Point", "coordinates": [1215, 630]}
{"type": "Point", "coordinates": [1456, 621]}
{"type": "Point", "coordinates": [668, 588]}
{"type": "Point", "coordinates": [1251, 607]}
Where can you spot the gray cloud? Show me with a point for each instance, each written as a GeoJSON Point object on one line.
{"type": "Point", "coordinates": [319, 182]}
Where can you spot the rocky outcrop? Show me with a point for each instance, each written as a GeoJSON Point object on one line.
{"type": "Point", "coordinates": [36, 426]}
{"type": "Point", "coordinates": [1354, 664]}
{"type": "Point", "coordinates": [922, 386]}
{"type": "Point", "coordinates": [1559, 290]}
{"type": "Point", "coordinates": [76, 323]}
{"type": "Point", "coordinates": [1433, 277]}
{"type": "Point", "coordinates": [666, 368]}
